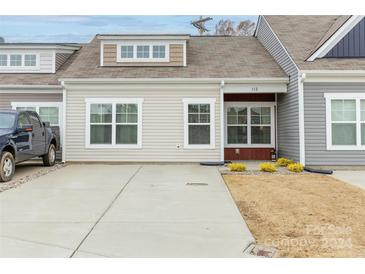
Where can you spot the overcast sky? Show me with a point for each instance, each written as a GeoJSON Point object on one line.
{"type": "Point", "coordinates": [83, 28]}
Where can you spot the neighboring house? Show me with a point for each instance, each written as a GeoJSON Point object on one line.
{"type": "Point", "coordinates": [322, 117]}
{"type": "Point", "coordinates": [296, 87]}
{"type": "Point", "coordinates": [29, 74]}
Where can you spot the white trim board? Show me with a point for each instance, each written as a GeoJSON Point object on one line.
{"type": "Point", "coordinates": [336, 37]}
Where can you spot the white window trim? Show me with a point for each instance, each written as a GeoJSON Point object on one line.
{"type": "Point", "coordinates": [343, 96]}
{"type": "Point", "coordinates": [143, 43]}
{"type": "Point", "coordinates": [249, 105]}
{"type": "Point", "coordinates": [211, 102]}
{"type": "Point", "coordinates": [113, 101]}
{"type": "Point", "coordinates": [22, 67]}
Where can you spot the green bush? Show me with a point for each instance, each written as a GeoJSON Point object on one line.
{"type": "Point", "coordinates": [284, 162]}
{"type": "Point", "coordinates": [237, 167]}
{"type": "Point", "coordinates": [296, 167]}
{"type": "Point", "coordinates": [267, 167]}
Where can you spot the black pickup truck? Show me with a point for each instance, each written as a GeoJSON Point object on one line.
{"type": "Point", "coordinates": [24, 136]}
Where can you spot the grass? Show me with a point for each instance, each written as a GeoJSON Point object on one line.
{"type": "Point", "coordinates": [302, 215]}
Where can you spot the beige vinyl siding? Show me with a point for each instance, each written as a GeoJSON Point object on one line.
{"type": "Point", "coordinates": [176, 57]}
{"type": "Point", "coordinates": [7, 98]}
{"type": "Point", "coordinates": [162, 126]}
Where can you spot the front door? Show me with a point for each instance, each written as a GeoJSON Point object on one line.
{"type": "Point", "coordinates": [249, 130]}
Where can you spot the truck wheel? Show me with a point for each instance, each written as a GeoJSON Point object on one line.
{"type": "Point", "coordinates": [49, 159]}
{"type": "Point", "coordinates": [7, 166]}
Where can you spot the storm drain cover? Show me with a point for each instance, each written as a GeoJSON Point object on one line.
{"type": "Point", "coordinates": [196, 184]}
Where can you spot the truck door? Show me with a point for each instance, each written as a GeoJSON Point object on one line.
{"type": "Point", "coordinates": [22, 140]}
{"type": "Point", "coordinates": [38, 135]}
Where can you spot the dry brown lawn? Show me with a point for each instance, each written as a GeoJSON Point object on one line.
{"type": "Point", "coordinates": [305, 215]}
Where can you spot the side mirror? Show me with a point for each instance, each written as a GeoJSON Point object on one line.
{"type": "Point", "coordinates": [25, 128]}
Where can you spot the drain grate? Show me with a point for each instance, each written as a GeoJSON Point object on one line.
{"type": "Point", "coordinates": [196, 184]}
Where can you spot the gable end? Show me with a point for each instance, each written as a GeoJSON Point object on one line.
{"type": "Point", "coordinates": [351, 45]}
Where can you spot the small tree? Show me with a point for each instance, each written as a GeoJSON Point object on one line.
{"type": "Point", "coordinates": [227, 27]}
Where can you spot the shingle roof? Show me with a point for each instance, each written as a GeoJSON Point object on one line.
{"type": "Point", "coordinates": [207, 57]}
{"type": "Point", "coordinates": [36, 78]}
{"type": "Point", "coordinates": [302, 34]}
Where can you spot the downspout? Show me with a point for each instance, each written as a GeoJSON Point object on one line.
{"type": "Point", "coordinates": [222, 119]}
{"type": "Point", "coordinates": [63, 122]}
{"type": "Point", "coordinates": [276, 125]}
{"type": "Point", "coordinates": [301, 78]}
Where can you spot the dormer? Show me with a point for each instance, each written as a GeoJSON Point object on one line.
{"type": "Point", "coordinates": [143, 50]}
{"type": "Point", "coordinates": [34, 58]}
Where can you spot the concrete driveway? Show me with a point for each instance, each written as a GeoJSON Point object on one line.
{"type": "Point", "coordinates": [353, 177]}
{"type": "Point", "coordinates": [123, 211]}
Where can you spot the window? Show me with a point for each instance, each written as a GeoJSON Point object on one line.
{"type": "Point", "coordinates": [114, 123]}
{"type": "Point", "coordinates": [237, 125]}
{"type": "Point", "coordinates": [260, 125]}
{"type": "Point", "coordinates": [22, 120]}
{"type": "Point", "coordinates": [3, 60]}
{"type": "Point", "coordinates": [15, 60]}
{"type": "Point", "coordinates": [143, 51]}
{"type": "Point", "coordinates": [159, 51]}
{"type": "Point", "coordinates": [30, 60]}
{"type": "Point", "coordinates": [199, 127]}
{"type": "Point", "coordinates": [139, 51]}
{"type": "Point", "coordinates": [48, 111]}
{"type": "Point", "coordinates": [345, 114]}
{"type": "Point", "coordinates": [49, 114]}
{"type": "Point", "coordinates": [249, 125]}
{"type": "Point", "coordinates": [100, 123]}
{"type": "Point", "coordinates": [127, 51]}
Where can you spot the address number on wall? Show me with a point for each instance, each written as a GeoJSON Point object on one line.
{"type": "Point", "coordinates": [255, 89]}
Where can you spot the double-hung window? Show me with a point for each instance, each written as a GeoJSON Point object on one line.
{"type": "Point", "coordinates": [114, 123]}
{"type": "Point", "coordinates": [249, 124]}
{"type": "Point", "coordinates": [345, 115]}
{"type": "Point", "coordinates": [159, 51]}
{"type": "Point", "coordinates": [199, 123]}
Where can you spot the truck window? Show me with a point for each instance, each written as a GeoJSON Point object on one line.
{"type": "Point", "coordinates": [22, 120]}
{"type": "Point", "coordinates": [35, 121]}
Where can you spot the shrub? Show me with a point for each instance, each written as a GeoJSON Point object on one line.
{"type": "Point", "coordinates": [284, 162]}
{"type": "Point", "coordinates": [267, 167]}
{"type": "Point", "coordinates": [295, 167]}
{"type": "Point", "coordinates": [237, 167]}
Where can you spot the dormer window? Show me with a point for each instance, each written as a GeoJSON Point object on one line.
{"type": "Point", "coordinates": [30, 60]}
{"type": "Point", "coordinates": [3, 60]}
{"type": "Point", "coordinates": [159, 51]}
{"type": "Point", "coordinates": [127, 52]}
{"type": "Point", "coordinates": [143, 51]}
{"type": "Point", "coordinates": [15, 60]}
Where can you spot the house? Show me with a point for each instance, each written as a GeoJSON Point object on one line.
{"type": "Point", "coordinates": [321, 119]}
{"type": "Point", "coordinates": [297, 87]}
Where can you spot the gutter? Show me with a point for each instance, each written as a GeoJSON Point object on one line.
{"type": "Point", "coordinates": [266, 80]}
{"type": "Point", "coordinates": [30, 87]}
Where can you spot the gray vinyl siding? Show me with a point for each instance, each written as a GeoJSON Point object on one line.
{"type": "Point", "coordinates": [162, 126]}
{"type": "Point", "coordinates": [7, 98]}
{"type": "Point", "coordinates": [315, 126]}
{"type": "Point", "coordinates": [352, 44]}
{"type": "Point", "coordinates": [46, 61]}
{"type": "Point", "coordinates": [288, 110]}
